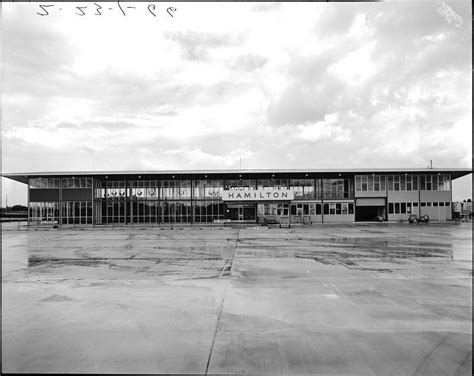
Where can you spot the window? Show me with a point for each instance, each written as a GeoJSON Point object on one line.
{"type": "Point", "coordinates": [306, 209]}
{"type": "Point", "coordinates": [390, 207]}
{"type": "Point", "coordinates": [443, 181]}
{"type": "Point", "coordinates": [338, 209]}
{"type": "Point", "coordinates": [326, 208]}
{"type": "Point", "coordinates": [390, 182]}
{"type": "Point", "coordinates": [441, 204]}
{"type": "Point", "coordinates": [318, 208]}
{"type": "Point", "coordinates": [303, 188]}
{"type": "Point", "coordinates": [428, 183]}
{"type": "Point", "coordinates": [447, 204]}
{"type": "Point", "coordinates": [293, 209]}
{"type": "Point", "coordinates": [332, 208]}
{"type": "Point", "coordinates": [43, 212]}
{"type": "Point", "coordinates": [77, 183]}
{"type": "Point", "coordinates": [408, 207]}
{"type": "Point", "coordinates": [76, 212]}
{"type": "Point", "coordinates": [428, 204]}
{"type": "Point", "coordinates": [358, 183]}
{"type": "Point", "coordinates": [396, 183]}
{"type": "Point", "coordinates": [351, 208]}
{"type": "Point", "coordinates": [382, 182]}
{"type": "Point", "coordinates": [43, 183]}
{"type": "Point", "coordinates": [336, 188]}
{"type": "Point", "coordinates": [415, 204]}
{"type": "Point", "coordinates": [403, 208]}
{"type": "Point", "coordinates": [345, 208]}
{"type": "Point", "coordinates": [423, 204]}
{"type": "Point", "coordinates": [435, 204]}
{"type": "Point", "coordinates": [364, 183]}
{"type": "Point", "coordinates": [402, 182]}
{"type": "Point", "coordinates": [397, 208]}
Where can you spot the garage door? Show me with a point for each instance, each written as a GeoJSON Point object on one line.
{"type": "Point", "coordinates": [372, 201]}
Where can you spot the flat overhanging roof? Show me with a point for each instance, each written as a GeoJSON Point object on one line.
{"type": "Point", "coordinates": [22, 177]}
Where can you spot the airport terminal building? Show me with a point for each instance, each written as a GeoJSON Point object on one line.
{"type": "Point", "coordinates": [241, 196]}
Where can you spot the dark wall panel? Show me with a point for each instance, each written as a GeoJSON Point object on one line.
{"type": "Point", "coordinates": [44, 195]}
{"type": "Point", "coordinates": [77, 194]}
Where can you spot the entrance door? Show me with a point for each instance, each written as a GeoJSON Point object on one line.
{"type": "Point", "coordinates": [241, 212]}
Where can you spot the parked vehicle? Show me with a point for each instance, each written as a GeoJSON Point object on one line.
{"type": "Point", "coordinates": [415, 219]}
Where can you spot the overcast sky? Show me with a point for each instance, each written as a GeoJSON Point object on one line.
{"type": "Point", "coordinates": [286, 85]}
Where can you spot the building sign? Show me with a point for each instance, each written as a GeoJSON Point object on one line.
{"type": "Point", "coordinates": [258, 195]}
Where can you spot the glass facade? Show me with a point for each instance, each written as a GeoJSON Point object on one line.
{"type": "Point", "coordinates": [76, 212]}
{"type": "Point", "coordinates": [43, 183]}
{"type": "Point", "coordinates": [76, 183]}
{"type": "Point", "coordinates": [303, 188]}
{"type": "Point", "coordinates": [439, 182]}
{"type": "Point", "coordinates": [338, 208]}
{"type": "Point", "coordinates": [43, 212]}
{"type": "Point", "coordinates": [274, 209]}
{"type": "Point", "coordinates": [208, 189]}
{"type": "Point", "coordinates": [65, 200]}
{"type": "Point", "coordinates": [336, 188]}
{"type": "Point", "coordinates": [402, 182]}
{"type": "Point", "coordinates": [370, 183]}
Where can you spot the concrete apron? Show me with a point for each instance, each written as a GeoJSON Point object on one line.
{"type": "Point", "coordinates": [369, 300]}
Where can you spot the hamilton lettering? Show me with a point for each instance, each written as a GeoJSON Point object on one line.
{"type": "Point", "coordinates": [258, 195]}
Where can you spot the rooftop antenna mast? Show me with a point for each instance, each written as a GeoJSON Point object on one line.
{"type": "Point", "coordinates": [431, 163]}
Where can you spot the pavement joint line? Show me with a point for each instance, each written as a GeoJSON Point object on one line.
{"type": "Point", "coordinates": [222, 304]}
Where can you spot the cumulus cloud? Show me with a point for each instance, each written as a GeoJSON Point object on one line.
{"type": "Point", "coordinates": [196, 45]}
{"type": "Point", "coordinates": [249, 62]}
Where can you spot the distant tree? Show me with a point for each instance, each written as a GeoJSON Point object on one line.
{"type": "Point", "coordinates": [18, 208]}
{"type": "Point", "coordinates": [468, 200]}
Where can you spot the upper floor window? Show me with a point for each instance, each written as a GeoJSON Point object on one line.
{"type": "Point", "coordinates": [303, 188]}
{"type": "Point", "coordinates": [404, 182]}
{"type": "Point", "coordinates": [439, 182]}
{"type": "Point", "coordinates": [208, 188]}
{"type": "Point", "coordinates": [239, 184]}
{"type": "Point", "coordinates": [272, 184]}
{"type": "Point", "coordinates": [370, 183]}
{"type": "Point", "coordinates": [76, 183]}
{"type": "Point", "coordinates": [43, 183]}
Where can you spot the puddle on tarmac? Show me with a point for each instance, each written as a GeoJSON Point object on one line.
{"type": "Point", "coordinates": [211, 257]}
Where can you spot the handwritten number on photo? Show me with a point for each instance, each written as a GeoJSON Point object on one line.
{"type": "Point", "coordinates": [150, 7]}
{"type": "Point", "coordinates": [44, 8]}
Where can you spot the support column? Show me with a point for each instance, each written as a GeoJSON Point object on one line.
{"type": "Point", "coordinates": [322, 200]}
{"type": "Point", "coordinates": [29, 208]}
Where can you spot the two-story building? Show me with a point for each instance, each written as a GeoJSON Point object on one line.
{"type": "Point", "coordinates": [213, 196]}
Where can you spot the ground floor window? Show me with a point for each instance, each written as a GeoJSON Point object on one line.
{"type": "Point", "coordinates": [208, 211]}
{"type": "Point", "coordinates": [406, 207]}
{"type": "Point", "coordinates": [279, 209]}
{"type": "Point", "coordinates": [145, 212]}
{"type": "Point", "coordinates": [43, 212]}
{"type": "Point", "coordinates": [338, 208]}
{"type": "Point", "coordinates": [76, 212]}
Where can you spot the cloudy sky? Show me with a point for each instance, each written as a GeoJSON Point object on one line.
{"type": "Point", "coordinates": [285, 85]}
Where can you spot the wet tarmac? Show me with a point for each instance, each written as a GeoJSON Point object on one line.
{"type": "Point", "coordinates": [368, 299]}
